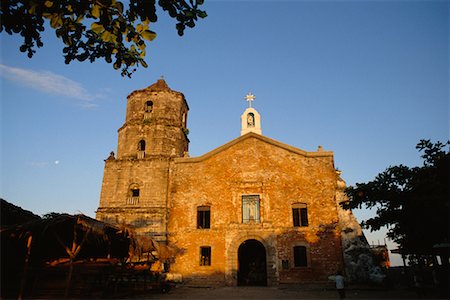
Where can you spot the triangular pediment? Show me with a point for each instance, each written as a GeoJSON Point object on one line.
{"type": "Point", "coordinates": [252, 135]}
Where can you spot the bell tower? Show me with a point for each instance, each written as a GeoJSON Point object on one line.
{"type": "Point", "coordinates": [155, 124]}
{"type": "Point", "coordinates": [250, 119]}
{"type": "Point", "coordinates": [135, 181]}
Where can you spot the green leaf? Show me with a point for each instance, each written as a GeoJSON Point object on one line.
{"type": "Point", "coordinates": [144, 64]}
{"type": "Point", "coordinates": [141, 45]}
{"type": "Point", "coordinates": [106, 36]}
{"type": "Point", "coordinates": [56, 21]}
{"type": "Point", "coordinates": [32, 9]}
{"type": "Point", "coordinates": [48, 4]}
{"type": "Point", "coordinates": [202, 14]}
{"type": "Point", "coordinates": [97, 28]}
{"type": "Point", "coordinates": [95, 11]}
{"type": "Point", "coordinates": [148, 35]}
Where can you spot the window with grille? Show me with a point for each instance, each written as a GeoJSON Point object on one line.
{"type": "Point", "coordinates": [133, 195]}
{"type": "Point", "coordinates": [250, 208]}
{"type": "Point", "coordinates": [300, 215]}
{"type": "Point", "coordinates": [203, 217]}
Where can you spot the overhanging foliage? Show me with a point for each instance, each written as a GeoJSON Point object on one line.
{"type": "Point", "coordinates": [412, 202]}
{"type": "Point", "coordinates": [92, 29]}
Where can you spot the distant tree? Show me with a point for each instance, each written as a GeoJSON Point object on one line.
{"type": "Point", "coordinates": [412, 202]}
{"type": "Point", "coordinates": [92, 29]}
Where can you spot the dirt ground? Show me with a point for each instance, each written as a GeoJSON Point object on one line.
{"type": "Point", "coordinates": [285, 292]}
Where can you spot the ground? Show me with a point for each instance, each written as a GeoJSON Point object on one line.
{"type": "Point", "coordinates": [310, 291]}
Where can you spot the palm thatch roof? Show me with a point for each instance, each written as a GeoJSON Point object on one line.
{"type": "Point", "coordinates": [12, 214]}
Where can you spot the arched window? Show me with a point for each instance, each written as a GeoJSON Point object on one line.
{"type": "Point", "coordinates": [148, 106]}
{"type": "Point", "coordinates": [300, 214]}
{"type": "Point", "coordinates": [250, 120]}
{"type": "Point", "coordinates": [148, 109]}
{"type": "Point", "coordinates": [141, 145]}
{"type": "Point", "coordinates": [141, 149]}
{"type": "Point", "coordinates": [133, 194]}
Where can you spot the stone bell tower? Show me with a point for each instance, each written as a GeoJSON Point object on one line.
{"type": "Point", "coordinates": [135, 181]}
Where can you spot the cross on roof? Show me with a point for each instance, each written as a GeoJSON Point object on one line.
{"type": "Point", "coordinates": [250, 97]}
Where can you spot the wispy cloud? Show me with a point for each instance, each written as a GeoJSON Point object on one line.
{"type": "Point", "coordinates": [50, 83]}
{"type": "Point", "coordinates": [38, 164]}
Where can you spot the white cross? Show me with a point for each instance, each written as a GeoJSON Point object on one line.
{"type": "Point", "coordinates": [250, 97]}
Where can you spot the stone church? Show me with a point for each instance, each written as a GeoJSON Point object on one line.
{"type": "Point", "coordinates": [254, 211]}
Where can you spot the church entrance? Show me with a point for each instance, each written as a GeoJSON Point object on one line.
{"type": "Point", "coordinates": [252, 263]}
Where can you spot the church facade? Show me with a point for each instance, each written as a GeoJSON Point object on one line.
{"type": "Point", "coordinates": [254, 211]}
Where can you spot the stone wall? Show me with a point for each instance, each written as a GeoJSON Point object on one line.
{"type": "Point", "coordinates": [281, 175]}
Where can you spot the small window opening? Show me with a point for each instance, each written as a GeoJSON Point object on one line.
{"type": "Point", "coordinates": [203, 217]}
{"type": "Point", "coordinates": [285, 264]}
{"type": "Point", "coordinates": [141, 149]}
{"type": "Point", "coordinates": [250, 120]}
{"type": "Point", "coordinates": [141, 145]}
{"type": "Point", "coordinates": [148, 106]}
{"type": "Point", "coordinates": [300, 215]}
{"type": "Point", "coordinates": [205, 256]}
{"type": "Point", "coordinates": [133, 195]}
{"type": "Point", "coordinates": [300, 259]}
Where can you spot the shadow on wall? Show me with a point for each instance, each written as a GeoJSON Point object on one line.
{"type": "Point", "coordinates": [259, 258]}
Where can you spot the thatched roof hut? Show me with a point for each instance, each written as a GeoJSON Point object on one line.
{"type": "Point", "coordinates": [63, 238]}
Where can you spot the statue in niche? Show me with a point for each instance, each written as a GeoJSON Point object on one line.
{"type": "Point", "coordinates": [111, 156]}
{"type": "Point", "coordinates": [250, 120]}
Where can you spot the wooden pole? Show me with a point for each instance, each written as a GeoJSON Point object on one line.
{"type": "Point", "coordinates": [25, 267]}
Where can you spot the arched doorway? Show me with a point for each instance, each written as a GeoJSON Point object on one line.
{"type": "Point", "coordinates": [252, 268]}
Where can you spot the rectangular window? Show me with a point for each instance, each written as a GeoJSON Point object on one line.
{"type": "Point", "coordinates": [250, 208]}
{"type": "Point", "coordinates": [285, 264]}
{"type": "Point", "coordinates": [300, 259]}
{"type": "Point", "coordinates": [300, 215]}
{"type": "Point", "coordinates": [205, 256]}
{"type": "Point", "coordinates": [203, 217]}
{"type": "Point", "coordinates": [303, 217]}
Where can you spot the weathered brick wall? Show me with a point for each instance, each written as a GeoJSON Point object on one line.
{"type": "Point", "coordinates": [148, 215]}
{"type": "Point", "coordinates": [281, 175]}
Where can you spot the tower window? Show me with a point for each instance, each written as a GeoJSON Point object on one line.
{"type": "Point", "coordinates": [141, 149]}
{"type": "Point", "coordinates": [203, 217]}
{"type": "Point", "coordinates": [251, 120]}
{"type": "Point", "coordinates": [141, 145]}
{"type": "Point", "coordinates": [133, 195]}
{"type": "Point", "coordinates": [250, 208]}
{"type": "Point", "coordinates": [148, 106]}
{"type": "Point", "coordinates": [300, 215]}
{"type": "Point", "coordinates": [205, 256]}
{"type": "Point", "coordinates": [300, 258]}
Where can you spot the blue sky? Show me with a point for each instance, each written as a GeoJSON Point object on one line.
{"type": "Point", "coordinates": [365, 79]}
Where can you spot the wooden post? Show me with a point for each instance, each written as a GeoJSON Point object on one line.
{"type": "Point", "coordinates": [25, 267]}
{"type": "Point", "coordinates": [69, 278]}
